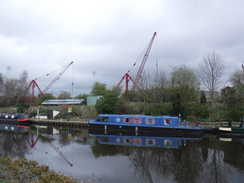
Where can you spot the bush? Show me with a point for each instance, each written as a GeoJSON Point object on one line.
{"type": "Point", "coordinates": [23, 170]}
{"type": "Point", "coordinates": [235, 114]}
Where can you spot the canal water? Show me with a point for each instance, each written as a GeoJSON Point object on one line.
{"type": "Point", "coordinates": [126, 158]}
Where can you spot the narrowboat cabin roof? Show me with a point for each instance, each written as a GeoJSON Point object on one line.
{"type": "Point", "coordinates": [134, 115]}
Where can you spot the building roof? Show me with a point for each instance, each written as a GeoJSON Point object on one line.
{"type": "Point", "coordinates": [63, 101]}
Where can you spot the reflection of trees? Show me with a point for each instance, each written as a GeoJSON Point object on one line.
{"type": "Point", "coordinates": [234, 155]}
{"type": "Point", "coordinates": [216, 170]}
{"type": "Point", "coordinates": [13, 144]}
{"type": "Point", "coordinates": [184, 165]}
{"type": "Point", "coordinates": [221, 153]}
{"type": "Point", "coordinates": [188, 165]}
{"type": "Point", "coordinates": [106, 150]}
{"type": "Point", "coordinates": [201, 162]}
{"type": "Point", "coordinates": [150, 162]}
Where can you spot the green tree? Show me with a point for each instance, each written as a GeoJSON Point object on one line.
{"type": "Point", "coordinates": [106, 104]}
{"type": "Point", "coordinates": [184, 89]}
{"type": "Point", "coordinates": [42, 98]}
{"type": "Point", "coordinates": [98, 89]}
{"type": "Point", "coordinates": [203, 98]}
{"type": "Point", "coordinates": [237, 80]}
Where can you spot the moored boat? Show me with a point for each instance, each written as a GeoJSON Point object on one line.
{"type": "Point", "coordinates": [140, 123]}
{"type": "Point", "coordinates": [232, 130]}
{"type": "Point", "coordinates": [20, 118]}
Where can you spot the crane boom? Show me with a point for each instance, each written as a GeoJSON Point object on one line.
{"type": "Point", "coordinates": [144, 60]}
{"type": "Point", "coordinates": [57, 77]}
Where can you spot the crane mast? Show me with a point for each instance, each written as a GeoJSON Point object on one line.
{"type": "Point", "coordinates": [138, 76]}
{"type": "Point", "coordinates": [128, 78]}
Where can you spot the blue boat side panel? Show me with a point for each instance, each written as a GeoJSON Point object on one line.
{"type": "Point", "coordinates": [140, 122]}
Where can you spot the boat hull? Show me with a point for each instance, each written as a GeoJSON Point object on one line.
{"type": "Point", "coordinates": [15, 118]}
{"type": "Point", "coordinates": [147, 130]}
{"type": "Point", "coordinates": [27, 122]}
{"type": "Point", "coordinates": [231, 131]}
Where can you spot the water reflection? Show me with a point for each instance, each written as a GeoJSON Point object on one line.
{"type": "Point", "coordinates": [13, 140]}
{"type": "Point", "coordinates": [134, 157]}
{"type": "Point", "coordinates": [167, 160]}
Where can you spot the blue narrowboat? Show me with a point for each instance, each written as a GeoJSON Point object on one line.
{"type": "Point", "coordinates": [140, 123]}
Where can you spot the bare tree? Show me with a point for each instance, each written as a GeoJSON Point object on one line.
{"type": "Point", "coordinates": [22, 87]}
{"type": "Point", "coordinates": [237, 77]}
{"type": "Point", "coordinates": [10, 91]}
{"type": "Point", "coordinates": [211, 71]}
{"type": "Point", "coordinates": [14, 90]}
{"type": "Point", "coordinates": [1, 84]}
{"type": "Point", "coordinates": [65, 95]}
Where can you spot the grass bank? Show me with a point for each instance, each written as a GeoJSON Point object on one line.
{"type": "Point", "coordinates": [23, 170]}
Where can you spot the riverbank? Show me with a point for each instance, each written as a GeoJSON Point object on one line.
{"type": "Point", "coordinates": [23, 170]}
{"type": "Point", "coordinates": [61, 122]}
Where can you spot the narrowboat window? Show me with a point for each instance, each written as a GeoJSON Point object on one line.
{"type": "Point", "coordinates": [167, 142]}
{"type": "Point", "coordinates": [117, 140]}
{"type": "Point", "coordinates": [12, 116]}
{"type": "Point", "coordinates": [127, 140]}
{"type": "Point", "coordinates": [167, 121]}
{"type": "Point", "coordinates": [127, 120]}
{"type": "Point", "coordinates": [6, 116]}
{"type": "Point", "coordinates": [150, 141]}
{"type": "Point", "coordinates": [104, 139]}
{"type": "Point", "coordinates": [137, 120]}
{"type": "Point", "coordinates": [137, 141]}
{"type": "Point", "coordinates": [98, 119]}
{"type": "Point", "coordinates": [104, 119]}
{"type": "Point", "coordinates": [150, 121]}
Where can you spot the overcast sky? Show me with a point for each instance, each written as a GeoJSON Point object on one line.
{"type": "Point", "coordinates": [105, 38]}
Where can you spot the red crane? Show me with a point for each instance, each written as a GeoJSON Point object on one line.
{"type": "Point", "coordinates": [138, 76]}
{"type": "Point", "coordinates": [34, 84]}
{"type": "Point", "coordinates": [57, 77]}
{"type": "Point", "coordinates": [127, 77]}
